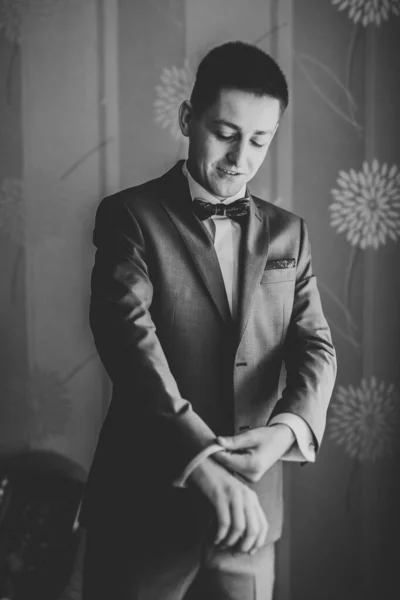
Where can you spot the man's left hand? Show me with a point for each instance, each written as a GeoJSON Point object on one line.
{"type": "Point", "coordinates": [253, 452]}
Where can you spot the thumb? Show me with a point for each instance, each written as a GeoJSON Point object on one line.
{"type": "Point", "coordinates": [241, 441]}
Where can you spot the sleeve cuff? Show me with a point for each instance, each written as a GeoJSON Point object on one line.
{"type": "Point", "coordinates": [181, 480]}
{"type": "Point", "coordinates": [304, 450]}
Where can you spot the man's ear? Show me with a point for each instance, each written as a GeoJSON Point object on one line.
{"type": "Point", "coordinates": [185, 117]}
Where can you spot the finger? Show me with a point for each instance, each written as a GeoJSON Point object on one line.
{"type": "Point", "coordinates": [252, 528]}
{"type": "Point", "coordinates": [241, 441]}
{"type": "Point", "coordinates": [239, 463]}
{"type": "Point", "coordinates": [260, 541]}
{"type": "Point", "coordinates": [223, 521]}
{"type": "Point", "coordinates": [238, 522]}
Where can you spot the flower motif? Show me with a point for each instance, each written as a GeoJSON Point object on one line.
{"type": "Point", "coordinates": [369, 11]}
{"type": "Point", "coordinates": [364, 419]}
{"type": "Point", "coordinates": [11, 12]}
{"type": "Point", "coordinates": [11, 209]}
{"type": "Point", "coordinates": [367, 205]}
{"type": "Point", "coordinates": [176, 86]}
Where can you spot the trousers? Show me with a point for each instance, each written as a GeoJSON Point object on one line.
{"type": "Point", "coordinates": [195, 573]}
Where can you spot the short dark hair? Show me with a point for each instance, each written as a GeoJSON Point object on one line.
{"type": "Point", "coordinates": [238, 65]}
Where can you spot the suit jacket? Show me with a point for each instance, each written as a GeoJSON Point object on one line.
{"type": "Point", "coordinates": [182, 370]}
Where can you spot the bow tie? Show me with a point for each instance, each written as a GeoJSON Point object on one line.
{"type": "Point", "coordinates": [238, 210]}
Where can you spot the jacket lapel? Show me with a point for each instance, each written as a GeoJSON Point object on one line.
{"type": "Point", "coordinates": [175, 197]}
{"type": "Point", "coordinates": [253, 258]}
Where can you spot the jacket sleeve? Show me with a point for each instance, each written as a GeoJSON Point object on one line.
{"type": "Point", "coordinates": [309, 355]}
{"type": "Point", "coordinates": [125, 334]}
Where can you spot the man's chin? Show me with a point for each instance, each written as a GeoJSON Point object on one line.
{"type": "Point", "coordinates": [227, 190]}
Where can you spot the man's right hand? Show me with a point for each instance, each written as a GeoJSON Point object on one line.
{"type": "Point", "coordinates": [241, 522]}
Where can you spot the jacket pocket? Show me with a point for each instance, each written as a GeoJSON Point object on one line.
{"type": "Point", "coordinates": [278, 275]}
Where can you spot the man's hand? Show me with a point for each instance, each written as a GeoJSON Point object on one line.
{"type": "Point", "coordinates": [241, 522]}
{"type": "Point", "coordinates": [253, 452]}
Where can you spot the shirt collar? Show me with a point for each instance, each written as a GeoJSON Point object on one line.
{"type": "Point", "coordinates": [197, 190]}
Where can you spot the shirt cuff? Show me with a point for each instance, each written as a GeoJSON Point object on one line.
{"type": "Point", "coordinates": [304, 450]}
{"type": "Point", "coordinates": [181, 480]}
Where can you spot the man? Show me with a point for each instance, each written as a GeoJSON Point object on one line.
{"type": "Point", "coordinates": [200, 294]}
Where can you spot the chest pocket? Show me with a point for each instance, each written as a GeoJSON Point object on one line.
{"type": "Point", "coordinates": [278, 275]}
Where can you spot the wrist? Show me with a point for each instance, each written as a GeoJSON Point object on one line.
{"type": "Point", "coordinates": [197, 460]}
{"type": "Point", "coordinates": [201, 473]}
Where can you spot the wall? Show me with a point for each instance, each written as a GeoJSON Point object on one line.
{"type": "Point", "coordinates": [346, 174]}
{"type": "Point", "coordinates": [51, 180]}
{"type": "Point", "coordinates": [88, 99]}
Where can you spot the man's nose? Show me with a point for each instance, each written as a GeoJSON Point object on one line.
{"type": "Point", "coordinates": [237, 154]}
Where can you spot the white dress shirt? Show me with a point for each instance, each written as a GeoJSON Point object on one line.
{"type": "Point", "coordinates": [226, 235]}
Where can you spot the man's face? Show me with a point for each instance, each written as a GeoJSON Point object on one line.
{"type": "Point", "coordinates": [229, 141]}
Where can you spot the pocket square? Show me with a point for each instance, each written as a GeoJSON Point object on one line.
{"type": "Point", "coordinates": [283, 263]}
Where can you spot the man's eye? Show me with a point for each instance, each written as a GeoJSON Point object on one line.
{"type": "Point", "coordinates": [226, 138]}
{"type": "Point", "coordinates": [257, 145]}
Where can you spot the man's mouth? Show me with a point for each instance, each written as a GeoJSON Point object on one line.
{"type": "Point", "coordinates": [228, 171]}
